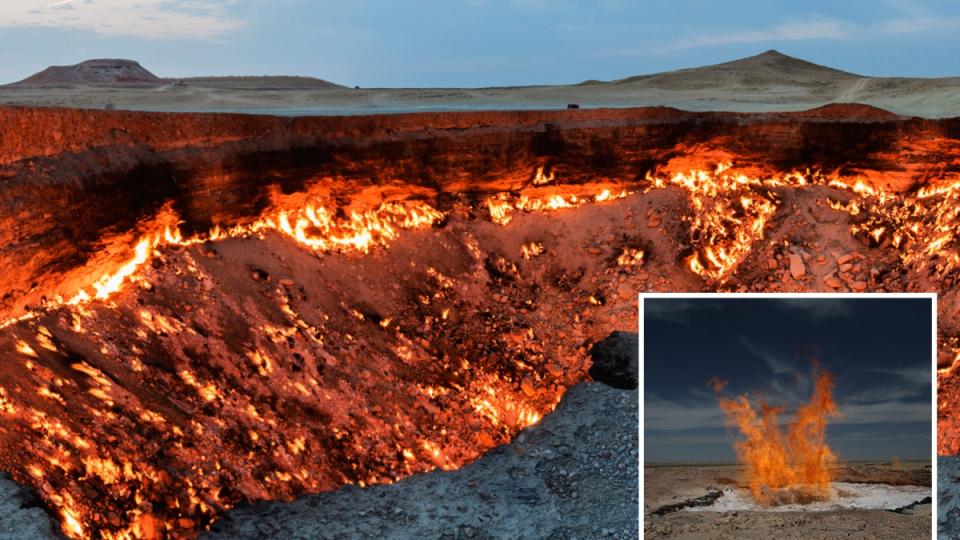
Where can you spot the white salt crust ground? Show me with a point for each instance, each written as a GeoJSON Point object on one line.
{"type": "Point", "coordinates": [846, 496]}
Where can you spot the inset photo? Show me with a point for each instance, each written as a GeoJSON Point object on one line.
{"type": "Point", "coordinates": [787, 416]}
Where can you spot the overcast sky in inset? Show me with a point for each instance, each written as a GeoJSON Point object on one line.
{"type": "Point", "coordinates": [879, 351]}
{"type": "Point", "coordinates": [448, 43]}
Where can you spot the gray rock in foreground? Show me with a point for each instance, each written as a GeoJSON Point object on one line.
{"type": "Point", "coordinates": [21, 517]}
{"type": "Point", "coordinates": [948, 497]}
{"type": "Point", "coordinates": [573, 475]}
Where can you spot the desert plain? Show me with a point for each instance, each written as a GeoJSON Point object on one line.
{"type": "Point", "coordinates": [672, 484]}
{"type": "Point", "coordinates": [770, 81]}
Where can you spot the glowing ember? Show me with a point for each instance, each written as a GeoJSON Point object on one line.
{"type": "Point", "coordinates": [630, 257]}
{"type": "Point", "coordinates": [784, 466]}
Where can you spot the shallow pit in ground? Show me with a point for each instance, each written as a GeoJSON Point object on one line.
{"type": "Point", "coordinates": [672, 484]}
{"type": "Point", "coordinates": [842, 496]}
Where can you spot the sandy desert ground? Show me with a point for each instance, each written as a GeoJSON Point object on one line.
{"type": "Point", "coordinates": [664, 485]}
{"type": "Point", "coordinates": [770, 81]}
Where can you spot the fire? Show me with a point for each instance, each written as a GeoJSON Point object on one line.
{"type": "Point", "coordinates": [922, 225]}
{"type": "Point", "coordinates": [501, 410]}
{"type": "Point", "coordinates": [313, 226]}
{"type": "Point", "coordinates": [71, 524]}
{"type": "Point", "coordinates": [954, 355]}
{"type": "Point", "coordinates": [110, 283]}
{"type": "Point", "coordinates": [6, 406]}
{"type": "Point", "coordinates": [25, 349]}
{"type": "Point", "coordinates": [539, 178]}
{"type": "Point", "coordinates": [316, 227]}
{"type": "Point", "coordinates": [71, 517]}
{"type": "Point", "coordinates": [784, 466]}
{"type": "Point", "coordinates": [730, 212]}
{"type": "Point", "coordinates": [630, 257]}
{"type": "Point", "coordinates": [501, 206]}
{"type": "Point", "coordinates": [102, 488]}
{"type": "Point", "coordinates": [531, 249]}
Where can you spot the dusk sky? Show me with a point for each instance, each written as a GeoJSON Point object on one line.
{"type": "Point", "coordinates": [474, 42]}
{"type": "Point", "coordinates": [879, 350]}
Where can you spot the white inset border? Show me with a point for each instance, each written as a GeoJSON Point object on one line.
{"type": "Point", "coordinates": [806, 296]}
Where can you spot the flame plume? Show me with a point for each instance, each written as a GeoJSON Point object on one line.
{"type": "Point", "coordinates": [788, 466]}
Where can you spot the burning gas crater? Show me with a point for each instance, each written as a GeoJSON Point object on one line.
{"type": "Point", "coordinates": [331, 342]}
{"type": "Point", "coordinates": [282, 356]}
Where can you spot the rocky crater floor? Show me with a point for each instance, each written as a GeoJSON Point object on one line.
{"type": "Point", "coordinates": [401, 298]}
{"type": "Point", "coordinates": [574, 475]}
{"type": "Point", "coordinates": [21, 514]}
{"type": "Point", "coordinates": [948, 497]}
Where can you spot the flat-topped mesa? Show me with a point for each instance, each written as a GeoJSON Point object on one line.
{"type": "Point", "coordinates": [72, 179]}
{"type": "Point", "coordinates": [104, 71]}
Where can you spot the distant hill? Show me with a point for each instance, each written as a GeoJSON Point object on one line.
{"type": "Point", "coordinates": [268, 82]}
{"type": "Point", "coordinates": [771, 68]}
{"type": "Point", "coordinates": [129, 73]}
{"type": "Point", "coordinates": [93, 72]}
{"type": "Point", "coordinates": [769, 81]}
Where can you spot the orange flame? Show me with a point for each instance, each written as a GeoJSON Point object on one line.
{"type": "Point", "coordinates": [312, 226]}
{"type": "Point", "coordinates": [788, 466]}
{"type": "Point", "coordinates": [731, 211]}
{"type": "Point", "coordinates": [502, 205]}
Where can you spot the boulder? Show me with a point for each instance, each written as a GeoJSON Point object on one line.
{"type": "Point", "coordinates": [616, 360]}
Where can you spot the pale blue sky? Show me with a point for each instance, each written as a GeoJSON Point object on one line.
{"type": "Point", "coordinates": [474, 42]}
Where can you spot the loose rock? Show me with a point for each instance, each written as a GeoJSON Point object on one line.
{"type": "Point", "coordinates": [833, 282]}
{"type": "Point", "coordinates": [797, 269]}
